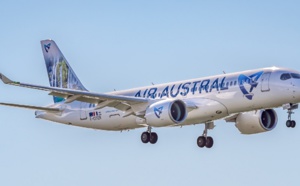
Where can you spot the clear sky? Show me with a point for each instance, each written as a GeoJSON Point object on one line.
{"type": "Point", "coordinates": [125, 44]}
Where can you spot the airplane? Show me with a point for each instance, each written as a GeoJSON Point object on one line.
{"type": "Point", "coordinates": [247, 98]}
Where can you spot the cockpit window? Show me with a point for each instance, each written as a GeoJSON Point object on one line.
{"type": "Point", "coordinates": [285, 76]}
{"type": "Point", "coordinates": [296, 76]}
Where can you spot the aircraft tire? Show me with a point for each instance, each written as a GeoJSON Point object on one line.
{"type": "Point", "coordinates": [293, 124]}
{"type": "Point", "coordinates": [153, 138]}
{"type": "Point", "coordinates": [209, 142]}
{"type": "Point", "coordinates": [201, 141]}
{"type": "Point", "coordinates": [145, 137]}
{"type": "Point", "coordinates": [288, 123]}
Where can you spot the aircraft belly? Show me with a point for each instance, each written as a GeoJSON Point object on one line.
{"type": "Point", "coordinates": [112, 121]}
{"type": "Point", "coordinates": [95, 119]}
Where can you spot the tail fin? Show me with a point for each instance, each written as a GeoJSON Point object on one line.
{"type": "Point", "coordinates": [59, 71]}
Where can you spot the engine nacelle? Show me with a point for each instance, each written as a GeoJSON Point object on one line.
{"type": "Point", "coordinates": [165, 113]}
{"type": "Point", "coordinates": [256, 121]}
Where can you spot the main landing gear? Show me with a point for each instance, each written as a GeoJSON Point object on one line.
{"type": "Point", "coordinates": [204, 140]}
{"type": "Point", "coordinates": [291, 123]}
{"type": "Point", "coordinates": [149, 136]}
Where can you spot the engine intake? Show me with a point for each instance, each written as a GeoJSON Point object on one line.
{"type": "Point", "coordinates": [256, 121]}
{"type": "Point", "coordinates": [165, 113]}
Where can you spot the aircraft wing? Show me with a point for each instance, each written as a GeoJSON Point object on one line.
{"type": "Point", "coordinates": [102, 100]}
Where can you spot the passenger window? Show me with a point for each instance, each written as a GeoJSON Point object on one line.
{"type": "Point", "coordinates": [296, 76]}
{"type": "Point", "coordinates": [285, 76]}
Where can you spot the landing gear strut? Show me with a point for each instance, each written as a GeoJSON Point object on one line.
{"type": "Point", "coordinates": [204, 140]}
{"type": "Point", "coordinates": [290, 107]}
{"type": "Point", "coordinates": [149, 136]}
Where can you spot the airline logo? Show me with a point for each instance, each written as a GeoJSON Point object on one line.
{"type": "Point", "coordinates": [183, 89]}
{"type": "Point", "coordinates": [158, 111]}
{"type": "Point", "coordinates": [249, 80]}
{"type": "Point", "coordinates": [47, 47]}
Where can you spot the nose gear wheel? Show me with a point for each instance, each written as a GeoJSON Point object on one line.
{"type": "Point", "coordinates": [291, 123]}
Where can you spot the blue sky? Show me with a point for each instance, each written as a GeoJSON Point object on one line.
{"type": "Point", "coordinates": [126, 44]}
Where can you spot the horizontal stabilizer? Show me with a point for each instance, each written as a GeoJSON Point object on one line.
{"type": "Point", "coordinates": [32, 107]}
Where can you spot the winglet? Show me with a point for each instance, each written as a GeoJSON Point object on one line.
{"type": "Point", "coordinates": [5, 79]}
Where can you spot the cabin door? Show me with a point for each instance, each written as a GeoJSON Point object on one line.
{"type": "Point", "coordinates": [265, 82]}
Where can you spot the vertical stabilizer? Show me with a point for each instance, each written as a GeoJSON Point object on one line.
{"type": "Point", "coordinates": [59, 71]}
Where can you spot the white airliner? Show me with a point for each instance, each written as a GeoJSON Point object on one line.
{"type": "Point", "coordinates": [246, 98]}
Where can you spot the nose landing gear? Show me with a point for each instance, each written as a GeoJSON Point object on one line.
{"type": "Point", "coordinates": [290, 107]}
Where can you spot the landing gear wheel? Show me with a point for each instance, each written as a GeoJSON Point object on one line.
{"type": "Point", "coordinates": [145, 137]}
{"type": "Point", "coordinates": [288, 123]}
{"type": "Point", "coordinates": [153, 138]}
{"type": "Point", "coordinates": [209, 142]}
{"type": "Point", "coordinates": [293, 125]}
{"type": "Point", "coordinates": [201, 141]}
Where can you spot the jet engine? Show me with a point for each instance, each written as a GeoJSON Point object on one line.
{"type": "Point", "coordinates": [256, 121]}
{"type": "Point", "coordinates": [165, 113]}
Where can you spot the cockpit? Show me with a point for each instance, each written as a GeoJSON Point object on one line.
{"type": "Point", "coordinates": [286, 76]}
